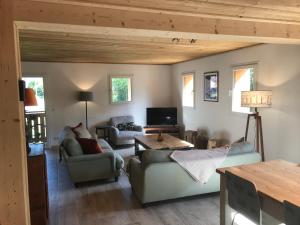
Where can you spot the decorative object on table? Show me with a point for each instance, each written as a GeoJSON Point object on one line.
{"type": "Point", "coordinates": [29, 100]}
{"type": "Point", "coordinates": [256, 99]}
{"type": "Point", "coordinates": [211, 86]}
{"type": "Point", "coordinates": [190, 136]}
{"type": "Point", "coordinates": [160, 138]}
{"type": "Point", "coordinates": [201, 139]}
{"type": "Point", "coordinates": [212, 143]}
{"type": "Point", "coordinates": [86, 96]}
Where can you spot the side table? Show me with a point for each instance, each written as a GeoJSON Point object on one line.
{"type": "Point", "coordinates": [105, 129]}
{"type": "Point", "coordinates": [38, 185]}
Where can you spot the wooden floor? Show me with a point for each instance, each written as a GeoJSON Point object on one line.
{"type": "Point", "coordinates": [102, 203]}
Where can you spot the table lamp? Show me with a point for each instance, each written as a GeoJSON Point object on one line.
{"type": "Point", "coordinates": [256, 99]}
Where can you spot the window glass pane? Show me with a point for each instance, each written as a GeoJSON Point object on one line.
{"type": "Point", "coordinates": [37, 84]}
{"type": "Point", "coordinates": [188, 90]}
{"type": "Point", "coordinates": [121, 89]}
{"type": "Point", "coordinates": [243, 80]}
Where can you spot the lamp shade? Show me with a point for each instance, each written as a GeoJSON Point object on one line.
{"type": "Point", "coordinates": [256, 99]}
{"type": "Point", "coordinates": [30, 98]}
{"type": "Point", "coordinates": [85, 96]}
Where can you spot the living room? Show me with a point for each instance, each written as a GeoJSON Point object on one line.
{"type": "Point", "coordinates": [198, 76]}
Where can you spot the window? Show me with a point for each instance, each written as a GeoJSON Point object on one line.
{"type": "Point", "coordinates": [35, 116]}
{"type": "Point", "coordinates": [243, 80]}
{"type": "Point", "coordinates": [121, 89]}
{"type": "Point", "coordinates": [37, 84]}
{"type": "Point", "coordinates": [188, 90]}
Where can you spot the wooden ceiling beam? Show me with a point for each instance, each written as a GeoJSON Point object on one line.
{"type": "Point", "coordinates": [158, 22]}
{"type": "Point", "coordinates": [264, 10]}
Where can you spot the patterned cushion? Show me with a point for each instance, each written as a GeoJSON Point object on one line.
{"type": "Point", "coordinates": [126, 126]}
{"type": "Point", "coordinates": [114, 121]}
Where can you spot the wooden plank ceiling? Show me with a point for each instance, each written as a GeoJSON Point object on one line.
{"type": "Point", "coordinates": [45, 46]}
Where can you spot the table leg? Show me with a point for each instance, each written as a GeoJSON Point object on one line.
{"type": "Point", "coordinates": [225, 210]}
{"type": "Point", "coordinates": [136, 147]}
{"type": "Point", "coordinates": [222, 199]}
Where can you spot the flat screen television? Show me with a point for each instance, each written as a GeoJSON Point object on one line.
{"type": "Point", "coordinates": [162, 116]}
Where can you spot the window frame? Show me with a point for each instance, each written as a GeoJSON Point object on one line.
{"type": "Point", "coordinates": [45, 78]}
{"type": "Point", "coordinates": [111, 76]}
{"type": "Point", "coordinates": [255, 75]}
{"type": "Point", "coordinates": [193, 73]}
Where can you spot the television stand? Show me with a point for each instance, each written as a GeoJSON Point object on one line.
{"type": "Point", "coordinates": [173, 130]}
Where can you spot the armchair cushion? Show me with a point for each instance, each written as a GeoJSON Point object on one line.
{"type": "Point", "coordinates": [72, 146]}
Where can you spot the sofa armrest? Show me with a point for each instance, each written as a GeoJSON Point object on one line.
{"type": "Point", "coordinates": [119, 161]}
{"type": "Point", "coordinates": [114, 131]}
{"type": "Point", "coordinates": [136, 177]}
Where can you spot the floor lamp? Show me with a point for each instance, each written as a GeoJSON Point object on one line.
{"type": "Point", "coordinates": [86, 96]}
{"type": "Point", "coordinates": [256, 99]}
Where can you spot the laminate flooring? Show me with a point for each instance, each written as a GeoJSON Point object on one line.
{"type": "Point", "coordinates": [113, 203]}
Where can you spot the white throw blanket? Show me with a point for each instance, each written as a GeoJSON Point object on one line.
{"type": "Point", "coordinates": [200, 164]}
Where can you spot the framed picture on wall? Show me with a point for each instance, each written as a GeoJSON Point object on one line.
{"type": "Point", "coordinates": [211, 86]}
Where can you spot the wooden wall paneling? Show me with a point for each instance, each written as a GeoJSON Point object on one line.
{"type": "Point", "coordinates": [14, 206]}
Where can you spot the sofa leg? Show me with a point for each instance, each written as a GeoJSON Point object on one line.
{"type": "Point", "coordinates": [116, 179]}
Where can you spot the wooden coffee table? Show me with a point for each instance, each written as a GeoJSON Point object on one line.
{"type": "Point", "coordinates": [170, 142]}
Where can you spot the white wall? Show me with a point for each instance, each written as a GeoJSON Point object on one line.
{"type": "Point", "coordinates": [278, 70]}
{"type": "Point", "coordinates": [151, 87]}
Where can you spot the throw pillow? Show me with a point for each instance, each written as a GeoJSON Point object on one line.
{"type": "Point", "coordinates": [72, 147]}
{"type": "Point", "coordinates": [81, 131]}
{"type": "Point", "coordinates": [241, 148]}
{"type": "Point", "coordinates": [242, 139]}
{"type": "Point", "coordinates": [130, 126]}
{"type": "Point", "coordinates": [121, 126]}
{"type": "Point", "coordinates": [89, 146]}
{"type": "Point", "coordinates": [126, 126]}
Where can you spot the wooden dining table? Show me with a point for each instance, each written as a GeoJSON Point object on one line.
{"type": "Point", "coordinates": [276, 181]}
